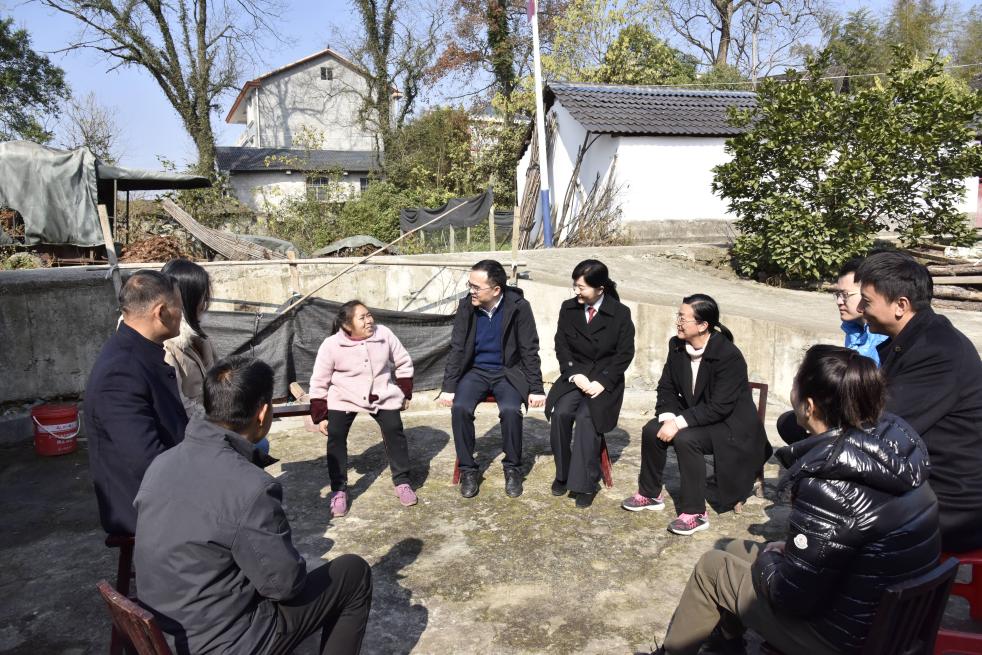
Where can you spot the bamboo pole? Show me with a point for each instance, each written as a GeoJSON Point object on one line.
{"type": "Point", "coordinates": [307, 262]}
{"type": "Point", "coordinates": [369, 256]}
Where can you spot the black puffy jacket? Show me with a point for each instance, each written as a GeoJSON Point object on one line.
{"type": "Point", "coordinates": [862, 519]}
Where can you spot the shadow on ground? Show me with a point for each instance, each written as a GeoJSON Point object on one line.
{"type": "Point", "coordinates": [490, 574]}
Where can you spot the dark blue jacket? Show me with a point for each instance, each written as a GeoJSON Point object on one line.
{"type": "Point", "coordinates": [863, 518]}
{"type": "Point", "coordinates": [133, 412]}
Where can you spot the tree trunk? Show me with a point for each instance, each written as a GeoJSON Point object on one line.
{"type": "Point", "coordinates": [725, 10]}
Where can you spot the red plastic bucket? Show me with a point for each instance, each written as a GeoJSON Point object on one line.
{"type": "Point", "coordinates": [55, 429]}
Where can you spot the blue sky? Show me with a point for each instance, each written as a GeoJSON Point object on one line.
{"type": "Point", "coordinates": [150, 128]}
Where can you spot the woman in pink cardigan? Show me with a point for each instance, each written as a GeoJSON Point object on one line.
{"type": "Point", "coordinates": [362, 367]}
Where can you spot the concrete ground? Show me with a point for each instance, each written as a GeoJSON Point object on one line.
{"type": "Point", "coordinates": [486, 575]}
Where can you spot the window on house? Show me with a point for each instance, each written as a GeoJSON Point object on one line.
{"type": "Point", "coordinates": [319, 188]}
{"type": "Point", "coordinates": [363, 183]}
{"type": "Point", "coordinates": [327, 73]}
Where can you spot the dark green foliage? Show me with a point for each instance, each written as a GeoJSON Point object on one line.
{"type": "Point", "coordinates": [819, 173]}
{"type": "Point", "coordinates": [30, 87]}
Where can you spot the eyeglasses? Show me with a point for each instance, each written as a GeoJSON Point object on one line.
{"type": "Point", "coordinates": [843, 295]}
{"type": "Point", "coordinates": [474, 288]}
{"type": "Point", "coordinates": [682, 320]}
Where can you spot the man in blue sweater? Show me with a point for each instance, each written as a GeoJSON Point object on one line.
{"type": "Point", "coordinates": [494, 350]}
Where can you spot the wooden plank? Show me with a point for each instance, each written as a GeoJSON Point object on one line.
{"type": "Point", "coordinates": [970, 280]}
{"type": "Point", "coordinates": [107, 237]}
{"type": "Point", "coordinates": [297, 409]}
{"type": "Point", "coordinates": [956, 269]}
{"type": "Point", "coordinates": [491, 235]}
{"type": "Point", "coordinates": [956, 293]}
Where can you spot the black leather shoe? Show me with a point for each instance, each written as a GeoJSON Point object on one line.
{"type": "Point", "coordinates": [469, 483]}
{"type": "Point", "coordinates": [513, 483]}
{"type": "Point", "coordinates": [558, 488]}
{"type": "Point", "coordinates": [584, 500]}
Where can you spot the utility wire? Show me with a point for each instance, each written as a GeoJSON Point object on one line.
{"type": "Point", "coordinates": [827, 77]}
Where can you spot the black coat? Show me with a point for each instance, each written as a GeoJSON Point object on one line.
{"type": "Point", "coordinates": [519, 347]}
{"type": "Point", "coordinates": [862, 519]}
{"type": "Point", "coordinates": [133, 412]}
{"type": "Point", "coordinates": [723, 404]}
{"type": "Point", "coordinates": [601, 350]}
{"type": "Point", "coordinates": [934, 381]}
{"type": "Point", "coordinates": [213, 544]}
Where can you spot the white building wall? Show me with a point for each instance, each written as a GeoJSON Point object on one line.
{"type": "Point", "coordinates": [264, 191]}
{"type": "Point", "coordinates": [299, 98]}
{"type": "Point", "coordinates": [670, 178]}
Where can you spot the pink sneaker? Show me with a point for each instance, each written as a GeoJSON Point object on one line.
{"type": "Point", "coordinates": [638, 502]}
{"type": "Point", "coordinates": [406, 495]}
{"type": "Point", "coordinates": [686, 524]}
{"type": "Point", "coordinates": [339, 504]}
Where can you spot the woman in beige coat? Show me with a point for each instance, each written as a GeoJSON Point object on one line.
{"type": "Point", "coordinates": [190, 353]}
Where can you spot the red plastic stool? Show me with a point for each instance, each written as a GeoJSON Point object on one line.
{"type": "Point", "coordinates": [955, 641]}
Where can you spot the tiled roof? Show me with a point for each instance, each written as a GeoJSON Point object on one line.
{"type": "Point", "coordinates": [230, 158]}
{"type": "Point", "coordinates": [650, 110]}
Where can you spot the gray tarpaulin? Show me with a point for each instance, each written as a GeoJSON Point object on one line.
{"type": "Point", "coordinates": [54, 191]}
{"type": "Point", "coordinates": [57, 191]}
{"type": "Point", "coordinates": [289, 342]}
{"type": "Point", "coordinates": [474, 212]}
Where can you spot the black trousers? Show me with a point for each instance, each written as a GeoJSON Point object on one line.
{"type": "Point", "coordinates": [473, 387]}
{"type": "Point", "coordinates": [961, 531]}
{"type": "Point", "coordinates": [788, 428]}
{"type": "Point", "coordinates": [575, 443]}
{"type": "Point", "coordinates": [393, 440]}
{"type": "Point", "coordinates": [691, 445]}
{"type": "Point", "coordinates": [336, 600]}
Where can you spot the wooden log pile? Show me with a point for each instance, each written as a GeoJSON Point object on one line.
{"type": "Point", "coordinates": [957, 281]}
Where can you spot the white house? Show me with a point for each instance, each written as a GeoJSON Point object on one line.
{"type": "Point", "coordinates": [300, 120]}
{"type": "Point", "coordinates": [657, 146]}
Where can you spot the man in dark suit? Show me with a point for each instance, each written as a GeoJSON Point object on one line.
{"type": "Point", "coordinates": [494, 349]}
{"type": "Point", "coordinates": [133, 410]}
{"type": "Point", "coordinates": [934, 382]}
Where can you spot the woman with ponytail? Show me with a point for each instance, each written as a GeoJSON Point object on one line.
{"type": "Point", "coordinates": [594, 347]}
{"type": "Point", "coordinates": [863, 519]}
{"type": "Point", "coordinates": [362, 368]}
{"type": "Point", "coordinates": [703, 407]}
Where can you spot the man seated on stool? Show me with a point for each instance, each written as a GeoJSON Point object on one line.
{"type": "Point", "coordinates": [214, 558]}
{"type": "Point", "coordinates": [133, 409]}
{"type": "Point", "coordinates": [934, 381]}
{"type": "Point", "coordinates": [494, 349]}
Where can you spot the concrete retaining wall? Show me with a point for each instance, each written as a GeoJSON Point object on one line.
{"type": "Point", "coordinates": [53, 322]}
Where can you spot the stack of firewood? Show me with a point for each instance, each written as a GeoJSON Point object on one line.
{"type": "Point", "coordinates": [957, 280]}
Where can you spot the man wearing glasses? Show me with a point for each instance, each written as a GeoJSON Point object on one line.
{"type": "Point", "coordinates": [847, 298]}
{"type": "Point", "coordinates": [494, 350]}
{"type": "Point", "coordinates": [858, 336]}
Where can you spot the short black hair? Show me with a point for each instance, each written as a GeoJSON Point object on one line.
{"type": "Point", "coordinates": [195, 286]}
{"type": "Point", "coordinates": [235, 389]}
{"type": "Point", "coordinates": [851, 266]}
{"type": "Point", "coordinates": [143, 290]}
{"type": "Point", "coordinates": [494, 269]}
{"type": "Point", "coordinates": [896, 275]}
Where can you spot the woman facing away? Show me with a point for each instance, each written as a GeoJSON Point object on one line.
{"type": "Point", "coordinates": [863, 518]}
{"type": "Point", "coordinates": [704, 406]}
{"type": "Point", "coordinates": [190, 353]}
{"type": "Point", "coordinates": [362, 368]}
{"type": "Point", "coordinates": [594, 347]}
